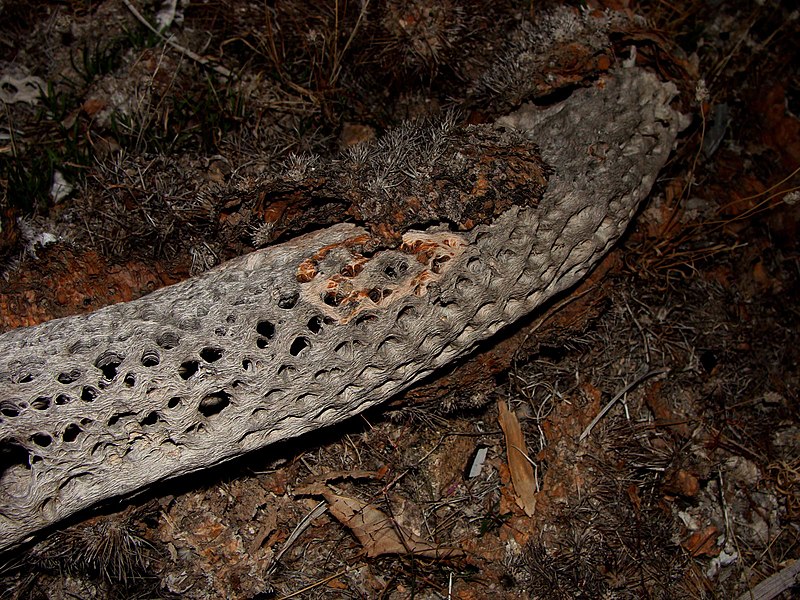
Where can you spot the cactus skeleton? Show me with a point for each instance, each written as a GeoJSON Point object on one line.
{"type": "Point", "coordinates": [307, 333]}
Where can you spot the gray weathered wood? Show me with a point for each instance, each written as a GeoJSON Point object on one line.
{"type": "Point", "coordinates": [305, 334]}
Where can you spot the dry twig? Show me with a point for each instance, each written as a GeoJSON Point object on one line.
{"type": "Point", "coordinates": [613, 401]}
{"type": "Point", "coordinates": [183, 50]}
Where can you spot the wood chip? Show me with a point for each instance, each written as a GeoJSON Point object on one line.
{"type": "Point", "coordinates": [520, 465]}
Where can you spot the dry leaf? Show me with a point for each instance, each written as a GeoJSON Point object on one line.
{"type": "Point", "coordinates": [376, 531]}
{"type": "Point", "coordinates": [521, 469]}
{"type": "Point", "coordinates": [703, 543]}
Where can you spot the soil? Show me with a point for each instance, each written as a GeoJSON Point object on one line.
{"type": "Point", "coordinates": [139, 164]}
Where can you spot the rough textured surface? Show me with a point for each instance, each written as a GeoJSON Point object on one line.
{"type": "Point", "coordinates": [418, 174]}
{"type": "Point", "coordinates": [308, 333]}
{"type": "Point", "coordinates": [555, 50]}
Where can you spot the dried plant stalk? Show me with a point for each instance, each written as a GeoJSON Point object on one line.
{"type": "Point", "coordinates": [307, 333]}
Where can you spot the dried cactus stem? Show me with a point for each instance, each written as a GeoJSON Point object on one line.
{"type": "Point", "coordinates": [419, 173]}
{"type": "Point", "coordinates": [308, 333]}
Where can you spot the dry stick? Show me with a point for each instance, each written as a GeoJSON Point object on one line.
{"type": "Point", "coordinates": [613, 401]}
{"type": "Point", "coordinates": [185, 51]}
{"type": "Point", "coordinates": [759, 194]}
{"type": "Point", "coordinates": [730, 534]}
{"type": "Point", "coordinates": [641, 330]}
{"type": "Point", "coordinates": [316, 584]}
{"type": "Point", "coordinates": [775, 584]}
{"type": "Point", "coordinates": [300, 528]}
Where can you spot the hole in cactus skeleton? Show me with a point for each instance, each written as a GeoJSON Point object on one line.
{"type": "Point", "coordinates": [298, 345]}
{"type": "Point", "coordinates": [42, 439]}
{"type": "Point", "coordinates": [289, 300]}
{"type": "Point", "coordinates": [188, 368]}
{"type": "Point", "coordinates": [108, 363]}
{"type": "Point", "coordinates": [70, 377]}
{"type": "Point", "coordinates": [114, 419]}
{"type": "Point", "coordinates": [9, 409]}
{"type": "Point", "coordinates": [150, 419]}
{"type": "Point", "coordinates": [332, 298]}
{"type": "Point", "coordinates": [215, 403]}
{"type": "Point", "coordinates": [150, 358]}
{"type": "Point", "coordinates": [71, 432]}
{"type": "Point", "coordinates": [211, 355]}
{"type": "Point", "coordinates": [317, 324]}
{"type": "Point", "coordinates": [396, 270]}
{"type": "Point", "coordinates": [168, 340]}
{"type": "Point", "coordinates": [13, 457]}
{"type": "Point", "coordinates": [41, 403]}
{"type": "Point", "coordinates": [265, 329]}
